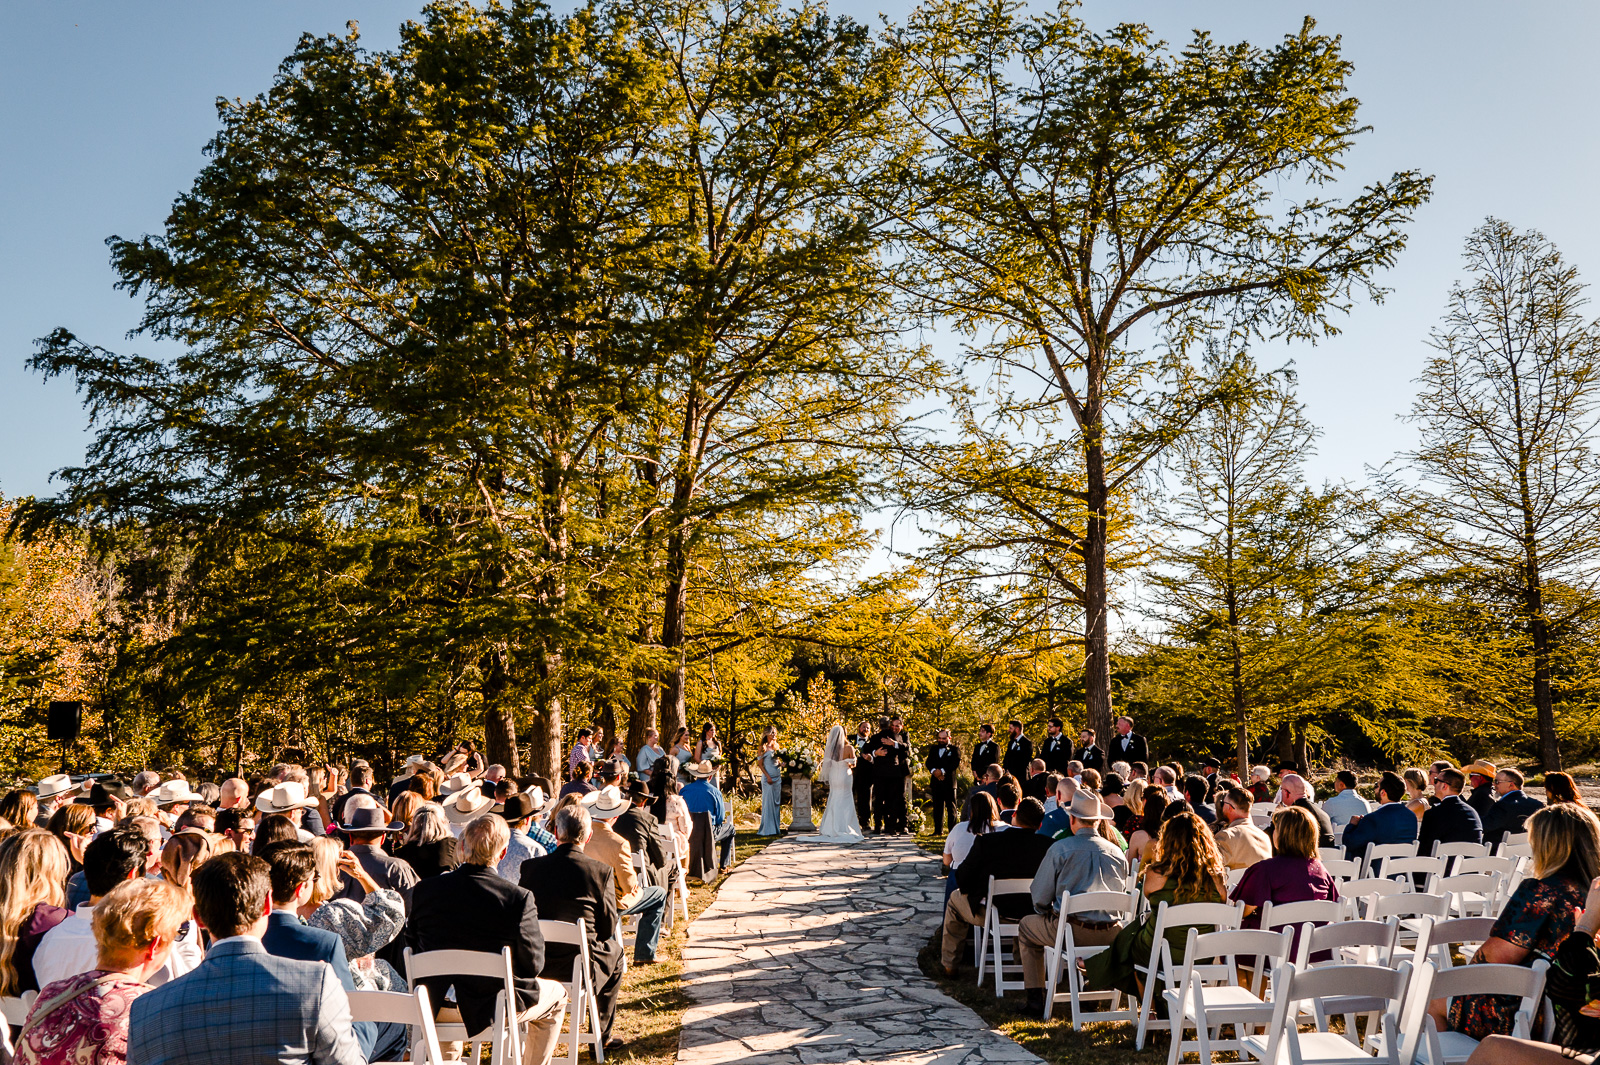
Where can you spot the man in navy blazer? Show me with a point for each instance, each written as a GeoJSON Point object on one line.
{"type": "Point", "coordinates": [242, 1005]}
{"type": "Point", "coordinates": [1511, 810]}
{"type": "Point", "coordinates": [293, 872]}
{"type": "Point", "coordinates": [1391, 822]}
{"type": "Point", "coordinates": [1451, 820]}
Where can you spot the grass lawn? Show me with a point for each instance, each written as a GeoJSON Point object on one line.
{"type": "Point", "coordinates": [1054, 1040]}
{"type": "Point", "coordinates": [651, 1004]}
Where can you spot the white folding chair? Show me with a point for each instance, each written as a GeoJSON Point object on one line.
{"type": "Point", "coordinates": [1209, 995]}
{"type": "Point", "coordinates": [1066, 954]}
{"type": "Point", "coordinates": [1160, 969]}
{"type": "Point", "coordinates": [14, 1008]}
{"type": "Point", "coordinates": [1378, 853]}
{"type": "Point", "coordinates": [1342, 868]}
{"type": "Point", "coordinates": [1234, 876]}
{"type": "Point", "coordinates": [1355, 893]}
{"type": "Point", "coordinates": [1351, 942]}
{"type": "Point", "coordinates": [1295, 990]}
{"type": "Point", "coordinates": [1471, 894]}
{"type": "Point", "coordinates": [996, 932]}
{"type": "Point", "coordinates": [1330, 854]}
{"type": "Point", "coordinates": [1416, 913]}
{"type": "Point", "coordinates": [1294, 914]}
{"type": "Point", "coordinates": [1406, 870]}
{"type": "Point", "coordinates": [1457, 851]}
{"type": "Point", "coordinates": [504, 1035]}
{"type": "Point", "coordinates": [628, 930]}
{"type": "Point", "coordinates": [583, 1004]}
{"type": "Point", "coordinates": [680, 881]}
{"type": "Point", "coordinates": [1451, 1048]}
{"type": "Point", "coordinates": [397, 1007]}
{"type": "Point", "coordinates": [1514, 845]}
{"type": "Point", "coordinates": [1468, 933]}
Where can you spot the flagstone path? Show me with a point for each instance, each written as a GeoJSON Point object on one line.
{"type": "Point", "coordinates": [808, 955]}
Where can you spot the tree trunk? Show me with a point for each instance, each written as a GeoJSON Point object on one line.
{"type": "Point", "coordinates": [1283, 742]}
{"type": "Point", "coordinates": [1097, 651]}
{"type": "Point", "coordinates": [646, 705]}
{"type": "Point", "coordinates": [1543, 701]}
{"type": "Point", "coordinates": [545, 750]}
{"type": "Point", "coordinates": [499, 719]}
{"type": "Point", "coordinates": [674, 626]}
{"type": "Point", "coordinates": [1302, 756]}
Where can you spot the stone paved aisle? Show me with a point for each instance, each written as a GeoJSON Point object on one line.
{"type": "Point", "coordinates": [809, 955]}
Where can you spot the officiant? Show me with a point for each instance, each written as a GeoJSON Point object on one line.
{"type": "Point", "coordinates": [944, 759]}
{"type": "Point", "coordinates": [891, 765]}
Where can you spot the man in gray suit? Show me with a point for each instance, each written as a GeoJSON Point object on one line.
{"type": "Point", "coordinates": [242, 1005]}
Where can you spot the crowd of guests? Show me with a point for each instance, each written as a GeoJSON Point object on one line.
{"type": "Point", "coordinates": [1185, 832]}
{"type": "Point", "coordinates": [164, 924]}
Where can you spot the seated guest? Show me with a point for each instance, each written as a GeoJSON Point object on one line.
{"type": "Point", "coordinates": [579, 784]}
{"type": "Point", "coordinates": [1450, 820]}
{"type": "Point", "coordinates": [1166, 782]}
{"type": "Point", "coordinates": [1037, 786]}
{"type": "Point", "coordinates": [1418, 799]}
{"type": "Point", "coordinates": [1511, 810]}
{"type": "Point", "coordinates": [1010, 854]}
{"type": "Point", "coordinates": [473, 908]}
{"type": "Point", "coordinates": [429, 847]}
{"type": "Point", "coordinates": [1240, 844]}
{"type": "Point", "coordinates": [83, 1020]}
{"type": "Point", "coordinates": [1082, 862]}
{"type": "Point", "coordinates": [639, 827]}
{"type": "Point", "coordinates": [991, 779]}
{"type": "Point", "coordinates": [366, 828]}
{"type": "Point", "coordinates": [701, 796]}
{"type": "Point", "coordinates": [1391, 822]}
{"type": "Point", "coordinates": [518, 811]}
{"type": "Point", "coordinates": [1296, 792]}
{"type": "Point", "coordinates": [1346, 802]}
{"type": "Point", "coordinates": [647, 901]}
{"type": "Point", "coordinates": [1480, 780]}
{"type": "Point", "coordinates": [1542, 912]}
{"type": "Point", "coordinates": [1142, 844]}
{"type": "Point", "coordinates": [292, 871]}
{"type": "Point", "coordinates": [1559, 787]}
{"type": "Point", "coordinates": [1183, 867]}
{"type": "Point", "coordinates": [1294, 873]}
{"type": "Point", "coordinates": [568, 885]}
{"type": "Point", "coordinates": [982, 816]}
{"type": "Point", "coordinates": [1007, 793]}
{"type": "Point", "coordinates": [1058, 815]}
{"type": "Point", "coordinates": [1114, 793]}
{"type": "Point", "coordinates": [1260, 784]}
{"type": "Point", "coordinates": [33, 865]}
{"type": "Point", "coordinates": [69, 948]}
{"type": "Point", "coordinates": [1197, 792]}
{"type": "Point", "coordinates": [374, 924]}
{"type": "Point", "coordinates": [242, 1004]}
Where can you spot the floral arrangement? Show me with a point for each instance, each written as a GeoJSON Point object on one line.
{"type": "Point", "coordinates": [797, 761]}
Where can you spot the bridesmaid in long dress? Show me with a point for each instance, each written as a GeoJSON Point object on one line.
{"type": "Point", "coordinates": [682, 752]}
{"type": "Point", "coordinates": [771, 785]}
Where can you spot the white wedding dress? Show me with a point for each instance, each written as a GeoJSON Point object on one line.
{"type": "Point", "coordinates": [839, 823]}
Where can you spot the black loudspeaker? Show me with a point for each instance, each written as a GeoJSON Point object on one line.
{"type": "Point", "coordinates": [65, 720]}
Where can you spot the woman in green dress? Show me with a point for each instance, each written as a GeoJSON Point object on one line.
{"type": "Point", "coordinates": [1186, 868]}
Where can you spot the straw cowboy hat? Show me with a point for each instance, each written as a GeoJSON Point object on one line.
{"type": "Point", "coordinates": [280, 799]}
{"type": "Point", "coordinates": [1085, 807]}
{"type": "Point", "coordinates": [700, 770]}
{"type": "Point", "coordinates": [456, 782]}
{"type": "Point", "coordinates": [467, 805]}
{"type": "Point", "coordinates": [59, 784]}
{"type": "Point", "coordinates": [174, 791]}
{"type": "Point", "coordinates": [608, 803]}
{"type": "Point", "coordinates": [1482, 768]}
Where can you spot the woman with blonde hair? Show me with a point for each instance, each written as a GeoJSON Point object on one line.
{"type": "Point", "coordinates": [1565, 840]}
{"type": "Point", "coordinates": [73, 825]}
{"type": "Point", "coordinates": [33, 876]}
{"type": "Point", "coordinates": [366, 926]}
{"type": "Point", "coordinates": [1133, 798]}
{"type": "Point", "coordinates": [1186, 868]}
{"type": "Point", "coordinates": [1416, 791]}
{"type": "Point", "coordinates": [405, 807]}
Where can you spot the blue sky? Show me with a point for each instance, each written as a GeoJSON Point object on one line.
{"type": "Point", "coordinates": [104, 109]}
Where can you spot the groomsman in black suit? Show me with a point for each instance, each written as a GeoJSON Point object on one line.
{"type": "Point", "coordinates": [891, 764]}
{"type": "Point", "coordinates": [1128, 746]}
{"type": "Point", "coordinates": [942, 763]}
{"type": "Point", "coordinates": [985, 754]}
{"type": "Point", "coordinates": [1090, 755]}
{"type": "Point", "coordinates": [1019, 752]}
{"type": "Point", "coordinates": [1055, 750]}
{"type": "Point", "coordinates": [861, 781]}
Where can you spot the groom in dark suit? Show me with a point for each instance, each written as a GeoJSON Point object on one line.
{"type": "Point", "coordinates": [891, 764]}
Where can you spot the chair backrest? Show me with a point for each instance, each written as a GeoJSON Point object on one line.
{"type": "Point", "coordinates": [1317, 911]}
{"type": "Point", "coordinates": [1410, 904]}
{"type": "Point", "coordinates": [1460, 850]}
{"type": "Point", "coordinates": [14, 1009]}
{"type": "Point", "coordinates": [1096, 902]}
{"type": "Point", "coordinates": [457, 963]}
{"type": "Point", "coordinates": [1394, 868]}
{"type": "Point", "coordinates": [1295, 987]}
{"type": "Point", "coordinates": [1234, 876]}
{"type": "Point", "coordinates": [414, 1010]}
{"type": "Point", "coordinates": [1330, 854]}
{"type": "Point", "coordinates": [1441, 934]}
{"type": "Point", "coordinates": [1342, 868]}
{"type": "Point", "coordinates": [1261, 951]}
{"type": "Point", "coordinates": [1519, 849]}
{"type": "Point", "coordinates": [1504, 868]}
{"type": "Point", "coordinates": [1485, 884]}
{"type": "Point", "coordinates": [1380, 936]}
{"type": "Point", "coordinates": [1378, 853]}
{"type": "Point", "coordinates": [1222, 916]}
{"type": "Point", "coordinates": [1524, 982]}
{"type": "Point", "coordinates": [1372, 885]}
{"type": "Point", "coordinates": [567, 933]}
{"type": "Point", "coordinates": [1015, 886]}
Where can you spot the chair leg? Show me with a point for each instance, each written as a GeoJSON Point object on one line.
{"type": "Point", "coordinates": [1144, 1013]}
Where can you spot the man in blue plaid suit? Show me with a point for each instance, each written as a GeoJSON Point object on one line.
{"type": "Point", "coordinates": [242, 1005]}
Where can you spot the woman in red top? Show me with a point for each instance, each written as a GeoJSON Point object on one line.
{"type": "Point", "coordinates": [83, 1020]}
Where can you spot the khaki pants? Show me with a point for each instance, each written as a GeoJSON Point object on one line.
{"type": "Point", "coordinates": [958, 919]}
{"type": "Point", "coordinates": [1035, 932]}
{"type": "Point", "coordinates": [543, 1020]}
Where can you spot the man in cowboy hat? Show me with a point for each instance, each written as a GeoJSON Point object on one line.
{"type": "Point", "coordinates": [648, 901]}
{"type": "Point", "coordinates": [1083, 861]}
{"type": "Point", "coordinates": [366, 827]}
{"type": "Point", "coordinates": [519, 811]}
{"type": "Point", "coordinates": [54, 791]}
{"type": "Point", "coordinates": [105, 798]}
{"type": "Point", "coordinates": [639, 826]}
{"type": "Point", "coordinates": [701, 796]}
{"type": "Point", "coordinates": [288, 798]}
{"type": "Point", "coordinates": [1480, 775]}
{"type": "Point", "coordinates": [174, 797]}
{"type": "Point", "coordinates": [465, 806]}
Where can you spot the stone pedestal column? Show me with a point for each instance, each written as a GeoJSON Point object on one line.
{"type": "Point", "coordinates": [800, 802]}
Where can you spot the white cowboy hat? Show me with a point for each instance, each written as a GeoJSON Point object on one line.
{"type": "Point", "coordinates": [174, 791]}
{"type": "Point", "coordinates": [467, 806]}
{"type": "Point", "coordinates": [290, 795]}
{"type": "Point", "coordinates": [607, 803]}
{"type": "Point", "coordinates": [456, 782]}
{"type": "Point", "coordinates": [700, 770]}
{"type": "Point", "coordinates": [59, 784]}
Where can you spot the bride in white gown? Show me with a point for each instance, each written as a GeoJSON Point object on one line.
{"type": "Point", "coordinates": [839, 824]}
